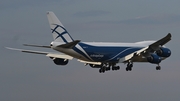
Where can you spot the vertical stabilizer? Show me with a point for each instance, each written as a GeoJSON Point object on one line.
{"type": "Point", "coordinates": [58, 31]}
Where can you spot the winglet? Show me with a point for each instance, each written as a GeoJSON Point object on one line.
{"type": "Point", "coordinates": [169, 36]}
{"type": "Point", "coordinates": [162, 41]}
{"type": "Point", "coordinates": [70, 44]}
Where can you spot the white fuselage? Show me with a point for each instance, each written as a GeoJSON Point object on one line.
{"type": "Point", "coordinates": [98, 51]}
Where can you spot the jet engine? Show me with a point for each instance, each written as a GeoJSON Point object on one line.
{"type": "Point", "coordinates": [59, 61]}
{"type": "Point", "coordinates": [153, 58]}
{"type": "Point", "coordinates": [163, 52]}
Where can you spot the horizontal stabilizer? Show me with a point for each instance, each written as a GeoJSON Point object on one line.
{"type": "Point", "coordinates": [37, 46]}
{"type": "Point", "coordinates": [70, 44]}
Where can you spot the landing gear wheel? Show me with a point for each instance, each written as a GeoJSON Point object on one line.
{"type": "Point", "coordinates": [108, 68]}
{"type": "Point", "coordinates": [115, 68]}
{"type": "Point", "coordinates": [129, 67]}
{"type": "Point", "coordinates": [158, 68]}
{"type": "Point", "coordinates": [102, 69]}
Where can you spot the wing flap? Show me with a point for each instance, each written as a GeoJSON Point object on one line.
{"type": "Point", "coordinates": [37, 45]}
{"type": "Point", "coordinates": [89, 62]}
{"type": "Point", "coordinates": [135, 54]}
{"type": "Point", "coordinates": [28, 51]}
{"type": "Point", "coordinates": [48, 54]}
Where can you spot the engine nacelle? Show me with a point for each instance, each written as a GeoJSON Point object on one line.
{"type": "Point", "coordinates": [163, 52]}
{"type": "Point", "coordinates": [59, 61]}
{"type": "Point", "coordinates": [153, 58]}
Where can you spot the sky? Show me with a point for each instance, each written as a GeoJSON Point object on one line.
{"type": "Point", "coordinates": [30, 77]}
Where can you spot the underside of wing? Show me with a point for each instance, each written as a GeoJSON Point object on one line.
{"type": "Point", "coordinates": [142, 54]}
{"type": "Point", "coordinates": [62, 56]}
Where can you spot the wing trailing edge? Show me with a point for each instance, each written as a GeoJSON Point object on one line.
{"type": "Point", "coordinates": [48, 54]}
{"type": "Point", "coordinates": [31, 45]}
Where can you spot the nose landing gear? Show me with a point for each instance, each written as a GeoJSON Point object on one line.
{"type": "Point", "coordinates": [158, 67]}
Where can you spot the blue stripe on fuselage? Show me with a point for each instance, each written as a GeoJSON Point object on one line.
{"type": "Point", "coordinates": [106, 53]}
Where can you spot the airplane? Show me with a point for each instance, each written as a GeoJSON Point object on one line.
{"type": "Point", "coordinates": [102, 55]}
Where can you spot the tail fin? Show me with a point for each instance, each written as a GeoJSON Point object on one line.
{"type": "Point", "coordinates": [59, 32]}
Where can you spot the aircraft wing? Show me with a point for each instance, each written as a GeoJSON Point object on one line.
{"type": "Point", "coordinates": [140, 55]}
{"type": "Point", "coordinates": [48, 54]}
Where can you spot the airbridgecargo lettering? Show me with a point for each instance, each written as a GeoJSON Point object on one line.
{"type": "Point", "coordinates": [97, 55]}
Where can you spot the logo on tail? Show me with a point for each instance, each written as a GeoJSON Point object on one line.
{"type": "Point", "coordinates": [61, 33]}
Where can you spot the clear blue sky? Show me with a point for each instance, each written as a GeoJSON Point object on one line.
{"type": "Point", "coordinates": [29, 77]}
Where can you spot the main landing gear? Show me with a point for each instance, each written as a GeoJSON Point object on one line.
{"type": "Point", "coordinates": [158, 67]}
{"type": "Point", "coordinates": [103, 69]}
{"type": "Point", "coordinates": [129, 67]}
